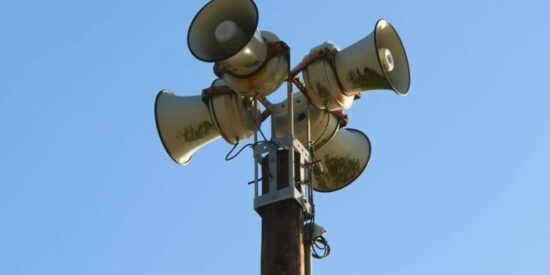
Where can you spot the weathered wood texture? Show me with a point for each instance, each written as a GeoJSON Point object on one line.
{"type": "Point", "coordinates": [282, 228]}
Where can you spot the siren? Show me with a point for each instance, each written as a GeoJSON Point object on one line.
{"type": "Point", "coordinates": [186, 123]}
{"type": "Point", "coordinates": [183, 124]}
{"type": "Point", "coordinates": [250, 61]}
{"type": "Point", "coordinates": [375, 62]}
{"type": "Point", "coordinates": [323, 124]}
{"type": "Point", "coordinates": [342, 160]}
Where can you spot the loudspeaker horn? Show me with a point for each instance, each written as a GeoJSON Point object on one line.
{"type": "Point", "coordinates": [232, 114]}
{"type": "Point", "coordinates": [267, 78]}
{"type": "Point", "coordinates": [227, 31]}
{"type": "Point", "coordinates": [186, 123]}
{"type": "Point", "coordinates": [343, 159]}
{"type": "Point", "coordinates": [250, 61]}
{"type": "Point", "coordinates": [323, 124]}
{"type": "Point", "coordinates": [377, 61]}
{"type": "Point", "coordinates": [183, 124]}
{"type": "Point", "coordinates": [322, 85]}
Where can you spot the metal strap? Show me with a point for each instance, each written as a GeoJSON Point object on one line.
{"type": "Point", "coordinates": [323, 53]}
{"type": "Point", "coordinates": [216, 91]}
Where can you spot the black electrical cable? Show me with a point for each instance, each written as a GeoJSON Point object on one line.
{"type": "Point", "coordinates": [256, 122]}
{"type": "Point", "coordinates": [228, 157]}
{"type": "Point", "coordinates": [320, 243]}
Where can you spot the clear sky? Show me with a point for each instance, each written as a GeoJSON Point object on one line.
{"type": "Point", "coordinates": [458, 181]}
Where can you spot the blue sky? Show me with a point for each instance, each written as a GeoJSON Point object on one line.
{"type": "Point", "coordinates": [458, 181]}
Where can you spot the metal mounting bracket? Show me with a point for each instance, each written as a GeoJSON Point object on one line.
{"type": "Point", "coordinates": [296, 188]}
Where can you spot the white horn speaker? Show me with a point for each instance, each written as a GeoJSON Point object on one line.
{"type": "Point", "coordinates": [343, 159]}
{"type": "Point", "coordinates": [227, 31]}
{"type": "Point", "coordinates": [183, 124]}
{"type": "Point", "coordinates": [232, 114]}
{"type": "Point", "coordinates": [250, 61]}
{"type": "Point", "coordinates": [377, 61]}
{"type": "Point", "coordinates": [266, 79]}
{"type": "Point", "coordinates": [322, 84]}
{"type": "Point", "coordinates": [323, 124]}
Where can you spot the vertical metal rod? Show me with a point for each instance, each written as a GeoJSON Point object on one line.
{"type": "Point", "coordinates": [290, 101]}
{"type": "Point", "coordinates": [307, 259]}
{"type": "Point", "coordinates": [307, 248]}
{"type": "Point", "coordinates": [308, 145]}
{"type": "Point", "coordinates": [256, 172]}
{"type": "Point", "coordinates": [308, 127]}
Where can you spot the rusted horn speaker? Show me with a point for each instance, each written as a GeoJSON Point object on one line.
{"type": "Point", "coordinates": [186, 123]}
{"type": "Point", "coordinates": [232, 113]}
{"type": "Point", "coordinates": [226, 32]}
{"type": "Point", "coordinates": [376, 62]}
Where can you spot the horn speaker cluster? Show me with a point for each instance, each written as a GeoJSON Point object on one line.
{"type": "Point", "coordinates": [186, 123]}
{"type": "Point", "coordinates": [252, 63]}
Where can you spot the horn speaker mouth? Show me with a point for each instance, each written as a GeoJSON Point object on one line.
{"type": "Point", "coordinates": [200, 36]}
{"type": "Point", "coordinates": [386, 37]}
{"type": "Point", "coordinates": [163, 92]}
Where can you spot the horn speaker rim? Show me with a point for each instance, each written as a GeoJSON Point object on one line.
{"type": "Point", "coordinates": [386, 74]}
{"type": "Point", "coordinates": [212, 2]}
{"type": "Point", "coordinates": [161, 92]}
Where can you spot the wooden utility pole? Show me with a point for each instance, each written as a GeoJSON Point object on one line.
{"type": "Point", "coordinates": [282, 226]}
{"type": "Point", "coordinates": [282, 239]}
